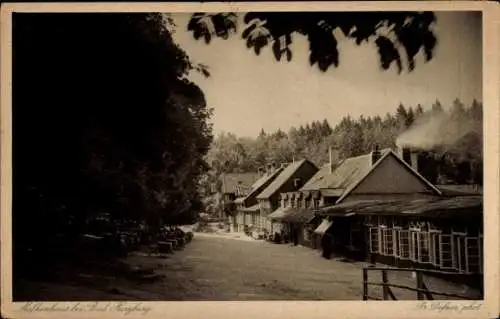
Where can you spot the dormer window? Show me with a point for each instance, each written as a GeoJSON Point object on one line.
{"type": "Point", "coordinates": [316, 203]}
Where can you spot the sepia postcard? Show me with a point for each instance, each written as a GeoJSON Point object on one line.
{"type": "Point", "coordinates": [264, 159]}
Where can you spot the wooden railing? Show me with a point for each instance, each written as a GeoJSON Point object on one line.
{"type": "Point", "coordinates": [422, 292]}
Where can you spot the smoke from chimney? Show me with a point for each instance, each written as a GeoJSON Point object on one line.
{"type": "Point", "coordinates": [438, 130]}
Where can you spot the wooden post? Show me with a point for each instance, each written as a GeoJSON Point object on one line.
{"type": "Point", "coordinates": [420, 296]}
{"type": "Point", "coordinates": [385, 288]}
{"type": "Point", "coordinates": [365, 284]}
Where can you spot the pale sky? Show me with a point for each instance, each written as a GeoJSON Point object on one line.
{"type": "Point", "coordinates": [250, 92]}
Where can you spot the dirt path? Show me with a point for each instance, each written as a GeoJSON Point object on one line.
{"type": "Point", "coordinates": [217, 268]}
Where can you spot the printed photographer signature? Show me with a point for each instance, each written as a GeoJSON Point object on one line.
{"type": "Point", "coordinates": [449, 306]}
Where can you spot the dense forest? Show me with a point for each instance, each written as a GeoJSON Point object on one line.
{"type": "Point", "coordinates": [449, 135]}
{"type": "Point", "coordinates": [106, 130]}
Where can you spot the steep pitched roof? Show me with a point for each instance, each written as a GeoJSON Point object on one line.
{"type": "Point", "coordinates": [258, 185]}
{"type": "Point", "coordinates": [374, 167]}
{"type": "Point", "coordinates": [232, 181]}
{"type": "Point", "coordinates": [346, 173]}
{"type": "Point", "coordinates": [264, 179]}
{"type": "Point", "coordinates": [281, 179]}
{"type": "Point", "coordinates": [350, 172]}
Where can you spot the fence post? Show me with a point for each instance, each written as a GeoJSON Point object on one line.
{"type": "Point", "coordinates": [420, 295]}
{"type": "Point", "coordinates": [385, 288]}
{"type": "Point", "coordinates": [365, 284]}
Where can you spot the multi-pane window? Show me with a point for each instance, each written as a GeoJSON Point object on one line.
{"type": "Point", "coordinates": [473, 254]}
{"type": "Point", "coordinates": [425, 243]}
{"type": "Point", "coordinates": [386, 242]}
{"type": "Point", "coordinates": [434, 255]}
{"type": "Point", "coordinates": [423, 247]}
{"type": "Point", "coordinates": [404, 244]}
{"type": "Point", "coordinates": [445, 252]}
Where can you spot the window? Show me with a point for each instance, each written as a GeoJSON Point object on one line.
{"type": "Point", "coordinates": [374, 240]}
{"type": "Point", "coordinates": [473, 254]}
{"type": "Point", "coordinates": [434, 255]}
{"type": "Point", "coordinates": [386, 243]}
{"type": "Point", "coordinates": [459, 256]}
{"type": "Point", "coordinates": [423, 247]}
{"type": "Point", "coordinates": [284, 203]}
{"type": "Point", "coordinates": [419, 246]}
{"type": "Point", "coordinates": [316, 203]}
{"type": "Point", "coordinates": [404, 244]}
{"type": "Point", "coordinates": [254, 219]}
{"type": "Point", "coordinates": [446, 251]}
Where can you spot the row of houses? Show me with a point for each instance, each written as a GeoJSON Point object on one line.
{"type": "Point", "coordinates": [377, 207]}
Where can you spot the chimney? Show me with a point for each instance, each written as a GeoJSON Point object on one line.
{"type": "Point", "coordinates": [260, 172]}
{"type": "Point", "coordinates": [269, 168]}
{"type": "Point", "coordinates": [406, 155]}
{"type": "Point", "coordinates": [375, 155]}
{"type": "Point", "coordinates": [274, 167]}
{"type": "Point", "coordinates": [334, 157]}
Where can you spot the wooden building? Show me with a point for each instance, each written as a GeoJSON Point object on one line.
{"type": "Point", "coordinates": [233, 185]}
{"type": "Point", "coordinates": [247, 207]}
{"type": "Point", "coordinates": [292, 178]}
{"type": "Point", "coordinates": [385, 211]}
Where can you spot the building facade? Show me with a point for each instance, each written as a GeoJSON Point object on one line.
{"type": "Point", "coordinates": [392, 214]}
{"type": "Point", "coordinates": [291, 179]}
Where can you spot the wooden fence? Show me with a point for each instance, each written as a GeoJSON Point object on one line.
{"type": "Point", "coordinates": [422, 292]}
